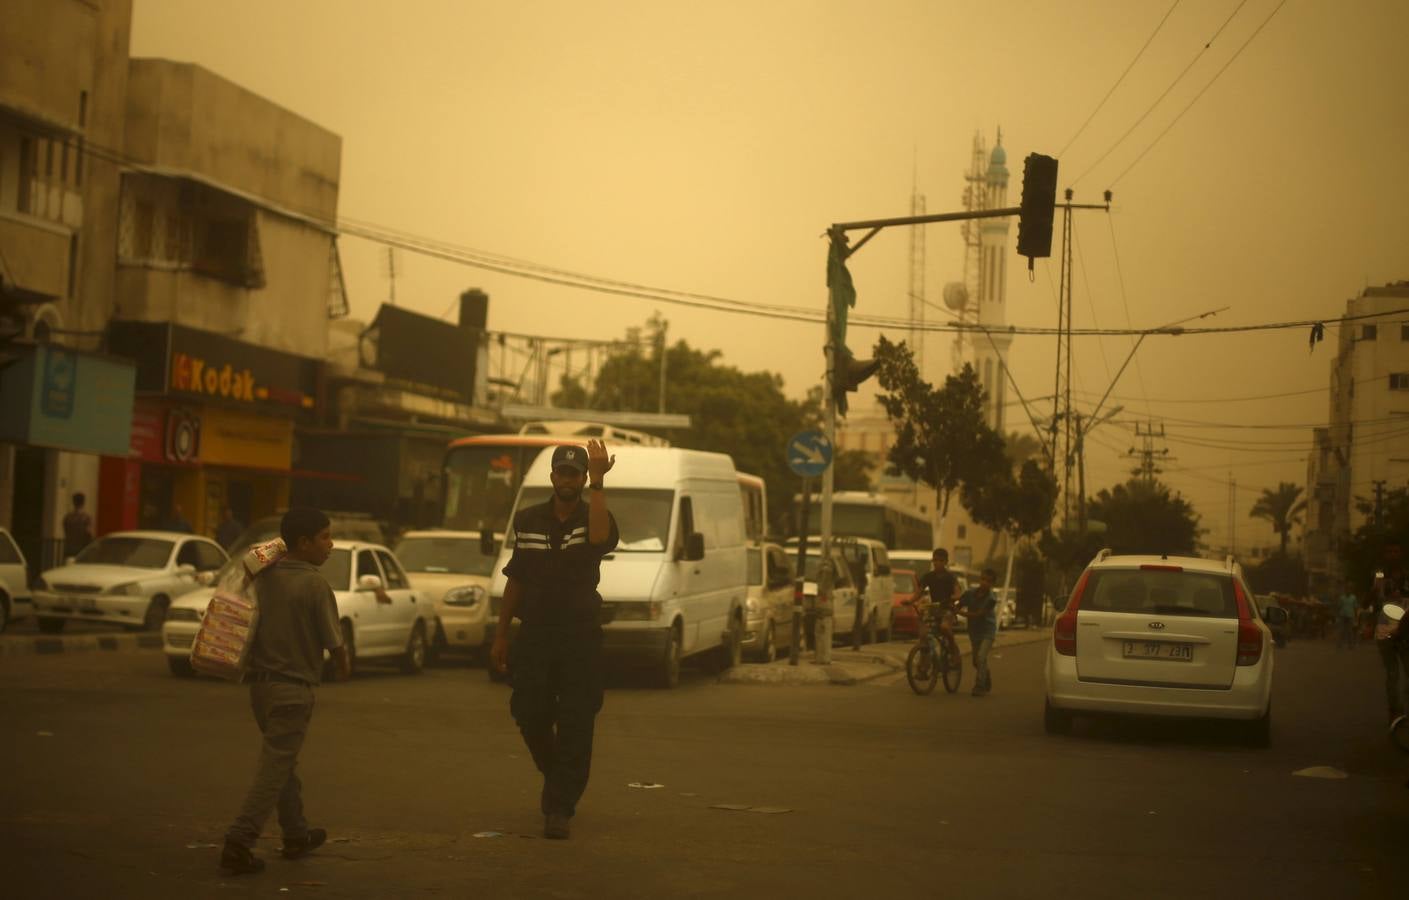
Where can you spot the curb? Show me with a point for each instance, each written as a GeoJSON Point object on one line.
{"type": "Point", "coordinates": [78, 643]}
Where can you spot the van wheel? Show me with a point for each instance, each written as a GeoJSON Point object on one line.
{"type": "Point", "coordinates": [668, 675]}
{"type": "Point", "coordinates": [769, 651]}
{"type": "Point", "coordinates": [51, 625]}
{"type": "Point", "coordinates": [413, 661]}
{"type": "Point", "coordinates": [1055, 721]}
{"type": "Point", "coordinates": [180, 666]}
{"type": "Point", "coordinates": [731, 648]}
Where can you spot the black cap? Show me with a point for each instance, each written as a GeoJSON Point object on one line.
{"type": "Point", "coordinates": [570, 455]}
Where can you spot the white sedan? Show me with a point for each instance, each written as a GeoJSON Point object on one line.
{"type": "Point", "coordinates": [15, 602]}
{"type": "Point", "coordinates": [383, 617]}
{"type": "Point", "coordinates": [1161, 636]}
{"type": "Point", "coordinates": [127, 578]}
{"type": "Point", "coordinates": [452, 569]}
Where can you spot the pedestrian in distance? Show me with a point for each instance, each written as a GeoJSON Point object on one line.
{"type": "Point", "coordinates": [980, 606]}
{"type": "Point", "coordinates": [555, 660]}
{"type": "Point", "coordinates": [1391, 586]}
{"type": "Point", "coordinates": [1346, 616]}
{"type": "Point", "coordinates": [178, 521]}
{"type": "Point", "coordinates": [78, 527]}
{"type": "Point", "coordinates": [298, 620]}
{"type": "Point", "coordinates": [230, 529]}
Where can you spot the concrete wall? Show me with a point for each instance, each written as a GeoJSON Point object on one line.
{"type": "Point", "coordinates": [44, 58]}
{"type": "Point", "coordinates": [183, 117]}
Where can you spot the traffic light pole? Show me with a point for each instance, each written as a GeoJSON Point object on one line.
{"type": "Point", "coordinates": [822, 636]}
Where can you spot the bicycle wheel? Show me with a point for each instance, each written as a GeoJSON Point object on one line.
{"type": "Point", "coordinates": [920, 669]}
{"type": "Point", "coordinates": [953, 667]}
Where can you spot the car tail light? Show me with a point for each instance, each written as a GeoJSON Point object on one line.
{"type": "Point", "coordinates": [1249, 635]}
{"type": "Point", "coordinates": [1064, 632]}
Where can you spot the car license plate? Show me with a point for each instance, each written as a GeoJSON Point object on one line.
{"type": "Point", "coordinates": [1158, 650]}
{"type": "Point", "coordinates": [83, 602]}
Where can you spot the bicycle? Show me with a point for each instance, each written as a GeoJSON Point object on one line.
{"type": "Point", "coordinates": [936, 653]}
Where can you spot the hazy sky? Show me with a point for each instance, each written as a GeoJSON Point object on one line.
{"type": "Point", "coordinates": [705, 147]}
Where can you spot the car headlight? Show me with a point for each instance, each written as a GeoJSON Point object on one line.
{"type": "Point", "coordinates": [131, 589]}
{"type": "Point", "coordinates": [467, 595]}
{"type": "Point", "coordinates": [751, 605]}
{"type": "Point", "coordinates": [182, 614]}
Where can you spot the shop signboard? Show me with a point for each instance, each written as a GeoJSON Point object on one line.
{"type": "Point", "coordinates": [186, 362]}
{"type": "Point", "coordinates": [66, 399]}
{"type": "Point", "coordinates": [423, 354]}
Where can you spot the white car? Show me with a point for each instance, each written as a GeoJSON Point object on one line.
{"type": "Point", "coordinates": [1161, 636]}
{"type": "Point", "coordinates": [451, 568]}
{"type": "Point", "coordinates": [870, 557]}
{"type": "Point", "coordinates": [844, 593]}
{"type": "Point", "coordinates": [768, 610]}
{"type": "Point", "coordinates": [383, 617]}
{"type": "Point", "coordinates": [127, 578]}
{"type": "Point", "coordinates": [15, 601]}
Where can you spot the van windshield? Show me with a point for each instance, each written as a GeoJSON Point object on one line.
{"type": "Point", "coordinates": [642, 516]}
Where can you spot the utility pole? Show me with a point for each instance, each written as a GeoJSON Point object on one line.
{"type": "Point", "coordinates": [391, 273]}
{"type": "Point", "coordinates": [660, 350]}
{"type": "Point", "coordinates": [1147, 454]}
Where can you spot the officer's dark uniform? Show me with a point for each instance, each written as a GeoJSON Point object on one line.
{"type": "Point", "coordinates": [556, 659]}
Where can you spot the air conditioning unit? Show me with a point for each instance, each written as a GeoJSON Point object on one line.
{"type": "Point", "coordinates": [42, 323]}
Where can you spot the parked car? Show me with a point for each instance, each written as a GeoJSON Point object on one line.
{"type": "Point", "coordinates": [768, 610]}
{"type": "Point", "coordinates": [677, 583]}
{"type": "Point", "coordinates": [1161, 636]}
{"type": "Point", "coordinates": [452, 569]}
{"type": "Point", "coordinates": [870, 558]}
{"type": "Point", "coordinates": [127, 578]}
{"type": "Point", "coordinates": [15, 600]}
{"type": "Point", "coordinates": [904, 620]}
{"type": "Point", "coordinates": [383, 617]}
{"type": "Point", "coordinates": [844, 593]}
{"type": "Point", "coordinates": [342, 525]}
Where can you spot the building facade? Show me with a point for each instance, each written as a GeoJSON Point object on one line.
{"type": "Point", "coordinates": [63, 76]}
{"type": "Point", "coordinates": [1365, 443]}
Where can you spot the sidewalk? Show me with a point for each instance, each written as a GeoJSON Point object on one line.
{"type": "Point", "coordinates": [849, 667]}
{"type": "Point", "coordinates": [25, 644]}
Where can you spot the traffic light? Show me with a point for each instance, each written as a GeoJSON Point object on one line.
{"type": "Point", "coordinates": [1038, 205]}
{"type": "Point", "coordinates": [847, 374]}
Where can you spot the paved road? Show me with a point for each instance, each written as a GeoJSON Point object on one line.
{"type": "Point", "coordinates": [114, 768]}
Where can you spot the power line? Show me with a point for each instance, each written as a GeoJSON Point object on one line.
{"type": "Point", "coordinates": [1206, 400]}
{"type": "Point", "coordinates": [1178, 78]}
{"type": "Point", "coordinates": [1199, 94]}
{"type": "Point", "coordinates": [1118, 81]}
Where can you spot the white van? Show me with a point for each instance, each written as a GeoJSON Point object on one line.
{"type": "Point", "coordinates": [870, 557]}
{"type": "Point", "coordinates": [677, 583]}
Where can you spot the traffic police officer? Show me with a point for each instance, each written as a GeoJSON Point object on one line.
{"type": "Point", "coordinates": [556, 660]}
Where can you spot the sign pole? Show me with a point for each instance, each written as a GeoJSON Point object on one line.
{"type": "Point", "coordinates": [794, 650]}
{"type": "Point", "coordinates": [809, 455]}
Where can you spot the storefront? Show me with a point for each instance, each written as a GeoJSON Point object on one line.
{"type": "Point", "coordinates": [59, 408]}
{"type": "Point", "coordinates": [212, 427]}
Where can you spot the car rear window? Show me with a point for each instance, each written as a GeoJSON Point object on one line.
{"type": "Point", "coordinates": [1159, 592]}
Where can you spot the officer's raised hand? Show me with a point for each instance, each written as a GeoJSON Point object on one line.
{"type": "Point", "coordinates": [598, 462]}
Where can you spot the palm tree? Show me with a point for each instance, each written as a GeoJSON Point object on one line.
{"type": "Point", "coordinates": [1282, 507]}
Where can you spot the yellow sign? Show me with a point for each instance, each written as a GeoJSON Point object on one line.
{"type": "Point", "coordinates": [231, 438]}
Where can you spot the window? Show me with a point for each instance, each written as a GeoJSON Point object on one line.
{"type": "Point", "coordinates": [336, 568]}
{"type": "Point", "coordinates": [367, 565]}
{"type": "Point", "coordinates": [1399, 381]}
{"type": "Point", "coordinates": [755, 566]}
{"type": "Point", "coordinates": [395, 580]}
{"type": "Point", "coordinates": [208, 556]}
{"type": "Point", "coordinates": [1369, 332]}
{"type": "Point", "coordinates": [9, 553]}
{"type": "Point", "coordinates": [963, 532]}
{"type": "Point", "coordinates": [1148, 592]}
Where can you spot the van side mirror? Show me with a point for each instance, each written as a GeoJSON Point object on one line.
{"type": "Point", "coordinates": [694, 546]}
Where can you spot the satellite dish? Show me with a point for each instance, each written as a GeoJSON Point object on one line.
{"type": "Point", "coordinates": [956, 295]}
{"type": "Point", "coordinates": [43, 322]}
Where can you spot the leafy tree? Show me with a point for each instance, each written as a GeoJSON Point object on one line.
{"type": "Point", "coordinates": [1283, 507]}
{"type": "Point", "coordinates": [1362, 553]}
{"type": "Point", "coordinates": [1278, 572]}
{"type": "Point", "coordinates": [941, 438]}
{"type": "Point", "coordinates": [1146, 517]}
{"type": "Point", "coordinates": [1018, 505]}
{"type": "Point", "coordinates": [853, 470]}
{"type": "Point", "coordinates": [743, 414]}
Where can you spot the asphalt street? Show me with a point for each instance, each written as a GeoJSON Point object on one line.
{"type": "Point", "coordinates": [120, 780]}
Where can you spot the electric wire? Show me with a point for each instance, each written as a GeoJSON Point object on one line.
{"type": "Point", "coordinates": [1119, 80]}
{"type": "Point", "coordinates": [1160, 99]}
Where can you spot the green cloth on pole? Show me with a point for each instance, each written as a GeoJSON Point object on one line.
{"type": "Point", "coordinates": [840, 288]}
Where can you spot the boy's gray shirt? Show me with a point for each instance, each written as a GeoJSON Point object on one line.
{"type": "Point", "coordinates": [298, 620]}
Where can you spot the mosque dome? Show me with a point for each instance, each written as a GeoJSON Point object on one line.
{"type": "Point", "coordinates": [999, 157]}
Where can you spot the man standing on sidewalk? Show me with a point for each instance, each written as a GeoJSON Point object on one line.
{"type": "Point", "coordinates": [556, 661]}
{"type": "Point", "coordinates": [980, 607]}
{"type": "Point", "coordinates": [1346, 615]}
{"type": "Point", "coordinates": [298, 620]}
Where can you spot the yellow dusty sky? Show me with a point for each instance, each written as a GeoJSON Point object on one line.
{"type": "Point", "coordinates": [705, 147]}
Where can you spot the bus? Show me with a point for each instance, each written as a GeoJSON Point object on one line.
{"type": "Point", "coordinates": [482, 473]}
{"type": "Point", "coordinates": [861, 514]}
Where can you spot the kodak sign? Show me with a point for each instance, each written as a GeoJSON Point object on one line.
{"type": "Point", "coordinates": [196, 375]}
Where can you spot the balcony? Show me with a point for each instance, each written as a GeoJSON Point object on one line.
{"type": "Point", "coordinates": [35, 254]}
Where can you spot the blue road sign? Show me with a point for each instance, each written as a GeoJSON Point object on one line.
{"type": "Point", "coordinates": [809, 453]}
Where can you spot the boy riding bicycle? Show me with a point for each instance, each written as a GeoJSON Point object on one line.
{"type": "Point", "coordinates": [943, 589]}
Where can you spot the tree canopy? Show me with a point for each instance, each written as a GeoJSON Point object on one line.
{"type": "Point", "coordinates": [1146, 517]}
{"type": "Point", "coordinates": [1282, 507]}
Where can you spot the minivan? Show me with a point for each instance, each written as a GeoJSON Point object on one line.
{"type": "Point", "coordinates": [676, 585]}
